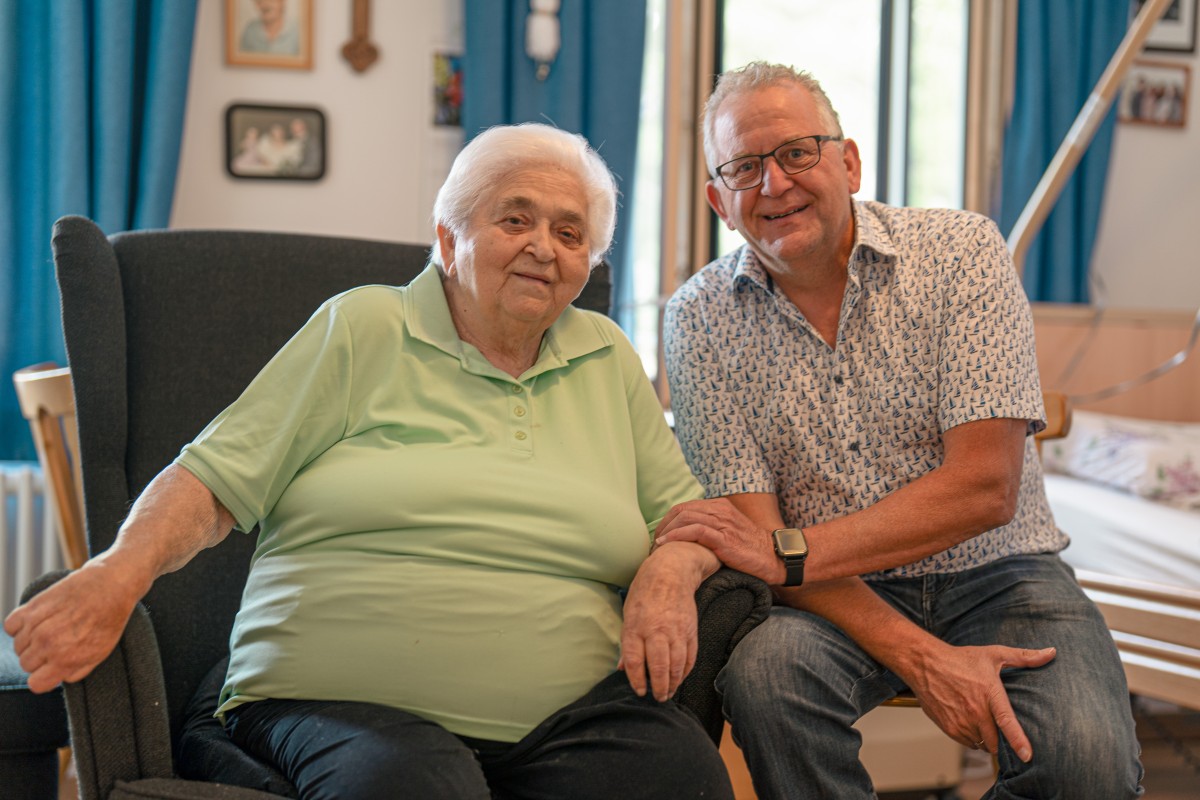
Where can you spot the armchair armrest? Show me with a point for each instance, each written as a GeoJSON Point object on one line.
{"type": "Point", "coordinates": [729, 605]}
{"type": "Point", "coordinates": [118, 714]}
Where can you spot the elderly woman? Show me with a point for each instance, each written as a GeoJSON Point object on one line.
{"type": "Point", "coordinates": [452, 480]}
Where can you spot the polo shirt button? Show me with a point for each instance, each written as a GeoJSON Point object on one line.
{"type": "Point", "coordinates": [521, 436]}
{"type": "Point", "coordinates": [854, 446]}
{"type": "Point", "coordinates": [519, 411]}
{"type": "Point", "coordinates": [518, 388]}
{"type": "Point", "coordinates": [837, 379]}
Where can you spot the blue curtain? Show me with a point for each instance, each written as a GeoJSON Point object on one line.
{"type": "Point", "coordinates": [1063, 47]}
{"type": "Point", "coordinates": [92, 94]}
{"type": "Point", "coordinates": [594, 86]}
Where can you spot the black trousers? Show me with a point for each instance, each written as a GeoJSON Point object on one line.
{"type": "Point", "coordinates": [610, 743]}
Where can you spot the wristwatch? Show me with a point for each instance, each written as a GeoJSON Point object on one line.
{"type": "Point", "coordinates": [791, 546]}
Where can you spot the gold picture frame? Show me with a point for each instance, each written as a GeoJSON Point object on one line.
{"type": "Point", "coordinates": [269, 33]}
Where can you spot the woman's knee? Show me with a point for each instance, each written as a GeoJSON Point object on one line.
{"type": "Point", "coordinates": [332, 750]}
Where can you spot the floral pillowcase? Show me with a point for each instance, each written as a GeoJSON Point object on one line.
{"type": "Point", "coordinates": [1156, 460]}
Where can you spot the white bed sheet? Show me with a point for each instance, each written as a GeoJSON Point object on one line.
{"type": "Point", "coordinates": [1118, 533]}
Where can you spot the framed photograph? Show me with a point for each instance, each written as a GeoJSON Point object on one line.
{"type": "Point", "coordinates": [1175, 31]}
{"type": "Point", "coordinates": [269, 33]}
{"type": "Point", "coordinates": [1155, 93]}
{"type": "Point", "coordinates": [275, 142]}
{"type": "Point", "coordinates": [447, 89]}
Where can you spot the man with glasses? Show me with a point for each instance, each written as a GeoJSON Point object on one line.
{"type": "Point", "coordinates": [857, 389]}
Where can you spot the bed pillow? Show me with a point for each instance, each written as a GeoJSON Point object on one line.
{"type": "Point", "coordinates": [1156, 460]}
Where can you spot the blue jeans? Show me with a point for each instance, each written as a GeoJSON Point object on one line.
{"type": "Point", "coordinates": [796, 684]}
{"type": "Point", "coordinates": [609, 743]}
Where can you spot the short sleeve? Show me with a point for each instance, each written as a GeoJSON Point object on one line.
{"type": "Point", "coordinates": [293, 410]}
{"type": "Point", "coordinates": [710, 422]}
{"type": "Point", "coordinates": [663, 477]}
{"type": "Point", "coordinates": [988, 362]}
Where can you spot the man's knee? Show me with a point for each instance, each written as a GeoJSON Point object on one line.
{"type": "Point", "coordinates": [1084, 751]}
{"type": "Point", "coordinates": [788, 652]}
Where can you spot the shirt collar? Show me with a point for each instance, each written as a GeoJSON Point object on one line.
{"type": "Point", "coordinates": [427, 316]}
{"type": "Point", "coordinates": [871, 232]}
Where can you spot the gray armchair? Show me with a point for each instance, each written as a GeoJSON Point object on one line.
{"type": "Point", "coordinates": [163, 330]}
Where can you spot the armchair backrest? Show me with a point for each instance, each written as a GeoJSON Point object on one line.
{"type": "Point", "coordinates": [163, 330]}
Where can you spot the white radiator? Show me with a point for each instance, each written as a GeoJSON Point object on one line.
{"type": "Point", "coordinates": [29, 543]}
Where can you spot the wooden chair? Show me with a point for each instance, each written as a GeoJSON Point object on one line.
{"type": "Point", "coordinates": [1058, 417]}
{"type": "Point", "coordinates": [48, 401]}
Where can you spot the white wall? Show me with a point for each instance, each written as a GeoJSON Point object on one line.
{"type": "Point", "coordinates": [1145, 253]}
{"type": "Point", "coordinates": [385, 158]}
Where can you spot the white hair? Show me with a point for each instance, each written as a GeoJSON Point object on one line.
{"type": "Point", "coordinates": [499, 152]}
{"type": "Point", "coordinates": [761, 75]}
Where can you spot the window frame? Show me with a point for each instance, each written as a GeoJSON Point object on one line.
{"type": "Point", "coordinates": [693, 30]}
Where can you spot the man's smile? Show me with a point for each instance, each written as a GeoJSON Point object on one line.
{"type": "Point", "coordinates": [787, 213]}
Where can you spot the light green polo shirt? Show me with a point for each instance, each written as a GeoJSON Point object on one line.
{"type": "Point", "coordinates": [435, 534]}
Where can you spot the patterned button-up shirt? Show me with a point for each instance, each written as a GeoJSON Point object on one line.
{"type": "Point", "coordinates": [934, 331]}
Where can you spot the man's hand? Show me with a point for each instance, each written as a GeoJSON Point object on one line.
{"type": "Point", "coordinates": [64, 632]}
{"type": "Point", "coordinates": [658, 639]}
{"type": "Point", "coordinates": [735, 539]}
{"type": "Point", "coordinates": [961, 691]}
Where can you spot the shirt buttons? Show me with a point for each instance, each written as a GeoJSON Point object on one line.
{"type": "Point", "coordinates": [838, 380]}
{"type": "Point", "coordinates": [517, 388]}
{"type": "Point", "coordinates": [520, 436]}
{"type": "Point", "coordinates": [519, 411]}
{"type": "Point", "coordinates": [854, 446]}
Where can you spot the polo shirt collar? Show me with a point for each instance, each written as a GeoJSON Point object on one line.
{"type": "Point", "coordinates": [427, 317]}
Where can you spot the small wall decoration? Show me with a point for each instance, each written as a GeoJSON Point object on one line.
{"type": "Point", "coordinates": [1175, 31]}
{"type": "Point", "coordinates": [447, 89]}
{"type": "Point", "coordinates": [1155, 93]}
{"type": "Point", "coordinates": [275, 142]}
{"type": "Point", "coordinates": [360, 51]}
{"type": "Point", "coordinates": [269, 33]}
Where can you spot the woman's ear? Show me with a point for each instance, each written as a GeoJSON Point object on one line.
{"type": "Point", "coordinates": [446, 247]}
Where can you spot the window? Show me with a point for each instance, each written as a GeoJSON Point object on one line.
{"type": "Point", "coordinates": [894, 69]}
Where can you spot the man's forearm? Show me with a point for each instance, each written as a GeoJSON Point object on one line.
{"type": "Point", "coordinates": [882, 632]}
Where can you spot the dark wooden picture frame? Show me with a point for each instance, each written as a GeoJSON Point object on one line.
{"type": "Point", "coordinates": [275, 142]}
{"type": "Point", "coordinates": [1175, 32]}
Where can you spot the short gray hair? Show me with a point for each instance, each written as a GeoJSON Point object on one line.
{"type": "Point", "coordinates": [760, 75]}
{"type": "Point", "coordinates": [505, 150]}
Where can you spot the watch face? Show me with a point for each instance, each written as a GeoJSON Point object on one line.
{"type": "Point", "coordinates": [790, 542]}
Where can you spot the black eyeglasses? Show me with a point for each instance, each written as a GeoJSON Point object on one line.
{"type": "Point", "coordinates": [794, 157]}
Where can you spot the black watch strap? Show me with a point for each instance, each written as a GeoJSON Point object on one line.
{"type": "Point", "coordinates": [795, 571]}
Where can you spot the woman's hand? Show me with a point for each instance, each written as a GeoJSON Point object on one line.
{"type": "Point", "coordinates": [658, 639]}
{"type": "Point", "coordinates": [64, 632]}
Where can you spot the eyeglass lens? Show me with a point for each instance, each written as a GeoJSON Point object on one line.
{"type": "Point", "coordinates": [795, 156]}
